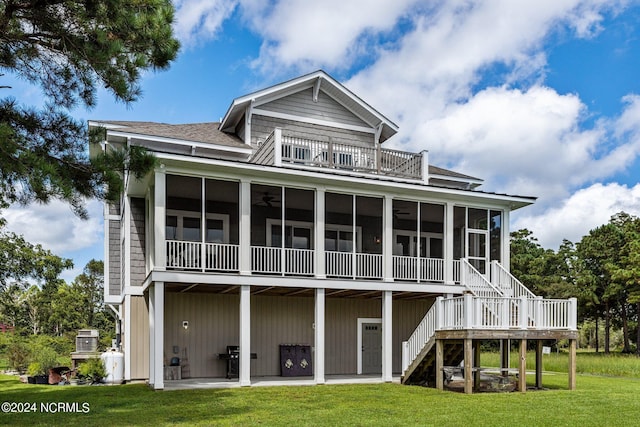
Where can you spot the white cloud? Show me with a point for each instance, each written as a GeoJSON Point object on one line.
{"type": "Point", "coordinates": [55, 227]}
{"type": "Point", "coordinates": [588, 208]}
{"type": "Point", "coordinates": [197, 21]}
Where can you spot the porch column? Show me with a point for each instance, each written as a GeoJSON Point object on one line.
{"type": "Point", "coordinates": [476, 364]}
{"type": "Point", "coordinates": [156, 335]}
{"type": "Point", "coordinates": [245, 227]}
{"type": "Point", "coordinates": [387, 241]}
{"type": "Point", "coordinates": [126, 343]}
{"type": "Point", "coordinates": [318, 366]}
{"type": "Point", "coordinates": [159, 219]}
{"type": "Point", "coordinates": [522, 367]}
{"type": "Point", "coordinates": [387, 334]}
{"type": "Point", "coordinates": [319, 234]}
{"type": "Point", "coordinates": [448, 244]}
{"type": "Point", "coordinates": [505, 348]}
{"type": "Point", "coordinates": [245, 335]}
{"type": "Point", "coordinates": [505, 259]}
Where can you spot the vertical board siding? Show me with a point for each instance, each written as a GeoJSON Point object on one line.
{"type": "Point", "coordinates": [137, 242]}
{"type": "Point", "coordinates": [262, 127]}
{"type": "Point", "coordinates": [326, 108]}
{"type": "Point", "coordinates": [276, 321]}
{"type": "Point", "coordinates": [341, 332]}
{"type": "Point", "coordinates": [213, 325]}
{"type": "Point", "coordinates": [407, 314]}
{"type": "Point", "coordinates": [139, 338]}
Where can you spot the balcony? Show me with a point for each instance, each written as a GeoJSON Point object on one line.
{"type": "Point", "coordinates": [280, 149]}
{"type": "Point", "coordinates": [218, 257]}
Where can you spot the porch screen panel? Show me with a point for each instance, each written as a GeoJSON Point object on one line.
{"type": "Point", "coordinates": [338, 222]}
{"type": "Point", "coordinates": [222, 209]}
{"type": "Point", "coordinates": [266, 208]}
{"type": "Point", "coordinates": [459, 229]}
{"type": "Point", "coordinates": [432, 230]}
{"type": "Point", "coordinates": [405, 227]}
{"type": "Point", "coordinates": [495, 236]}
{"type": "Point", "coordinates": [184, 208]}
{"type": "Point", "coordinates": [299, 217]}
{"type": "Point", "coordinates": [369, 220]}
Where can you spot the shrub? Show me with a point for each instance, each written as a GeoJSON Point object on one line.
{"type": "Point", "coordinates": [47, 358]}
{"type": "Point", "coordinates": [18, 354]}
{"type": "Point", "coordinates": [93, 370]}
{"type": "Point", "coordinates": [34, 369]}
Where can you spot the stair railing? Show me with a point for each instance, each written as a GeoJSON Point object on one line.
{"type": "Point", "coordinates": [507, 283]}
{"type": "Point", "coordinates": [425, 330]}
{"type": "Point", "coordinates": [475, 281]}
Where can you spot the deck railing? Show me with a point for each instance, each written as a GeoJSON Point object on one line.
{"type": "Point", "coordinates": [501, 313]}
{"type": "Point", "coordinates": [269, 260]}
{"type": "Point", "coordinates": [280, 148]}
{"type": "Point", "coordinates": [222, 257]}
{"type": "Point", "coordinates": [418, 269]}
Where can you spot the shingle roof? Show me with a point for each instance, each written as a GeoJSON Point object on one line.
{"type": "Point", "coordinates": [197, 132]}
{"type": "Point", "coordinates": [435, 170]}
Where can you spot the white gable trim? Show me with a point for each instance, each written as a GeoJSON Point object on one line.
{"type": "Point", "coordinates": [286, 116]}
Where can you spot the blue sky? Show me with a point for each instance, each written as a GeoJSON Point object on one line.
{"type": "Point", "coordinates": [537, 98]}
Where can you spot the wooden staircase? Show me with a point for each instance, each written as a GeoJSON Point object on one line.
{"type": "Point", "coordinates": [421, 369]}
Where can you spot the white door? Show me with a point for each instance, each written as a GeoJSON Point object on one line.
{"type": "Point", "coordinates": [477, 250]}
{"type": "Point", "coordinates": [371, 348]}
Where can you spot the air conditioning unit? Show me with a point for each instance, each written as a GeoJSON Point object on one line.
{"type": "Point", "coordinates": [87, 341]}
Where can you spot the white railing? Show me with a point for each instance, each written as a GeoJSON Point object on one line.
{"type": "Point", "coordinates": [280, 148]}
{"type": "Point", "coordinates": [507, 283]}
{"type": "Point", "coordinates": [184, 255]}
{"type": "Point", "coordinates": [420, 336]}
{"type": "Point", "coordinates": [339, 264]}
{"type": "Point", "coordinates": [368, 266]}
{"type": "Point", "coordinates": [221, 257]}
{"type": "Point", "coordinates": [456, 270]}
{"type": "Point", "coordinates": [265, 259]}
{"type": "Point", "coordinates": [432, 269]}
{"type": "Point", "coordinates": [298, 261]}
{"type": "Point", "coordinates": [499, 313]}
{"type": "Point", "coordinates": [406, 268]}
{"type": "Point", "coordinates": [473, 280]}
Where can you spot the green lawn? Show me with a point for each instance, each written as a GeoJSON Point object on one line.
{"type": "Point", "coordinates": [598, 401]}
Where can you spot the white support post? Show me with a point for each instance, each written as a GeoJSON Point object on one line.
{"type": "Point", "coordinates": [245, 335]}
{"type": "Point", "coordinates": [425, 167]}
{"type": "Point", "coordinates": [439, 313]}
{"type": "Point", "coordinates": [318, 365]}
{"type": "Point", "coordinates": [506, 313]}
{"type": "Point", "coordinates": [277, 147]}
{"type": "Point", "coordinates": [524, 312]}
{"type": "Point", "coordinates": [537, 314]}
{"type": "Point", "coordinates": [573, 315]}
{"type": "Point", "coordinates": [448, 244]}
{"type": "Point", "coordinates": [152, 345]}
{"type": "Point", "coordinates": [319, 254]}
{"type": "Point", "coordinates": [245, 227]}
{"type": "Point", "coordinates": [387, 240]}
{"type": "Point", "coordinates": [505, 258]}
{"type": "Point", "coordinates": [468, 311]}
{"type": "Point", "coordinates": [158, 335]}
{"type": "Point", "coordinates": [387, 336]}
{"type": "Point", "coordinates": [159, 212]}
{"type": "Point", "coordinates": [203, 227]}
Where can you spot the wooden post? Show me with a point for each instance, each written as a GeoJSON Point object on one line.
{"type": "Point", "coordinates": [505, 349]}
{"type": "Point", "coordinates": [572, 364]}
{"type": "Point", "coordinates": [439, 364]}
{"type": "Point", "coordinates": [476, 365]}
{"type": "Point", "coordinates": [522, 367]}
{"type": "Point", "coordinates": [468, 365]}
{"type": "Point", "coordinates": [538, 364]}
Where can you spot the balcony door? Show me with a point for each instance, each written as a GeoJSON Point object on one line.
{"type": "Point", "coordinates": [477, 249]}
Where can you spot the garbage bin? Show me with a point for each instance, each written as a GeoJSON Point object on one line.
{"type": "Point", "coordinates": [295, 360]}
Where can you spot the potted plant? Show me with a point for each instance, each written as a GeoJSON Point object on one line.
{"type": "Point", "coordinates": [44, 360]}
{"type": "Point", "coordinates": [32, 371]}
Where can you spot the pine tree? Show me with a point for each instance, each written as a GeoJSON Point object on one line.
{"type": "Point", "coordinates": [69, 49]}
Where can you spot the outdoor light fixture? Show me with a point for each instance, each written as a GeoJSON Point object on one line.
{"type": "Point", "coordinates": [185, 324]}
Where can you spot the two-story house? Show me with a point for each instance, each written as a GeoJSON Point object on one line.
{"type": "Point", "coordinates": [288, 222]}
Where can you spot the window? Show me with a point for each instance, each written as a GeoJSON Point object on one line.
{"type": "Point", "coordinates": [186, 226]}
{"type": "Point", "coordinates": [297, 234]}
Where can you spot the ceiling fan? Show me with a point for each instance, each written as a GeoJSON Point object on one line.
{"type": "Point", "coordinates": [268, 200]}
{"type": "Point", "coordinates": [398, 212]}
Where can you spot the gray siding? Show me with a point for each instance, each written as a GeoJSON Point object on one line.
{"type": "Point", "coordinates": [326, 108]}
{"type": "Point", "coordinates": [114, 209]}
{"type": "Point", "coordinates": [114, 265]}
{"type": "Point", "coordinates": [137, 241]}
{"type": "Point", "coordinates": [139, 338]}
{"type": "Point", "coordinates": [214, 324]}
{"type": "Point", "coordinates": [262, 127]}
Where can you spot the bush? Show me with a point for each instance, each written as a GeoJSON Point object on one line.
{"type": "Point", "coordinates": [34, 369]}
{"type": "Point", "coordinates": [93, 370]}
{"type": "Point", "coordinates": [18, 354]}
{"type": "Point", "coordinates": [47, 358]}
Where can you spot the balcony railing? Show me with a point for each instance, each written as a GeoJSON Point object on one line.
{"type": "Point", "coordinates": [220, 257]}
{"type": "Point", "coordinates": [280, 149]}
